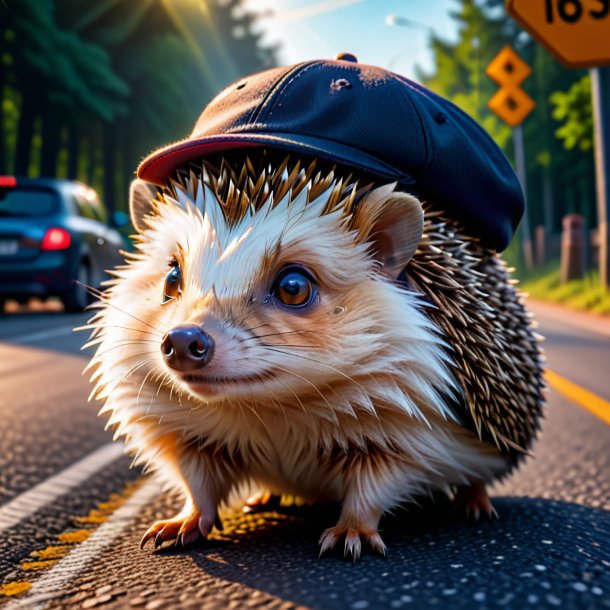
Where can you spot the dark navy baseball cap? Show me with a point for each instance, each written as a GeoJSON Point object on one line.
{"type": "Point", "coordinates": [369, 119]}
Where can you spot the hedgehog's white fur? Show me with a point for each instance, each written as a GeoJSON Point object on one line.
{"type": "Point", "coordinates": [362, 418]}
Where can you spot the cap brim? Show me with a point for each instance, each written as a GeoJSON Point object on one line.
{"type": "Point", "coordinates": [160, 165]}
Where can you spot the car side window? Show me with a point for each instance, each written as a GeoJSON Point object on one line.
{"type": "Point", "coordinates": [99, 210]}
{"type": "Point", "coordinates": [84, 207]}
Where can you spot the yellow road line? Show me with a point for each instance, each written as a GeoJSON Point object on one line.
{"type": "Point", "coordinates": [43, 559]}
{"type": "Point", "coordinates": [52, 552]}
{"type": "Point", "coordinates": [15, 588]}
{"type": "Point", "coordinates": [37, 565]}
{"type": "Point", "coordinates": [49, 556]}
{"type": "Point", "coordinates": [74, 536]}
{"type": "Point", "coordinates": [583, 398]}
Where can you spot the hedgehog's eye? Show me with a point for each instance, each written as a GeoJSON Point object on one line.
{"type": "Point", "coordinates": [294, 287]}
{"type": "Point", "coordinates": [173, 283]}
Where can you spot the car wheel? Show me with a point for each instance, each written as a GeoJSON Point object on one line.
{"type": "Point", "coordinates": [78, 297]}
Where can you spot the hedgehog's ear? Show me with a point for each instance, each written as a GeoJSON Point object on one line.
{"type": "Point", "coordinates": [141, 195]}
{"type": "Point", "coordinates": [393, 223]}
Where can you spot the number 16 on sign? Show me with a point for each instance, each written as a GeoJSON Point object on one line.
{"type": "Point", "coordinates": [572, 11]}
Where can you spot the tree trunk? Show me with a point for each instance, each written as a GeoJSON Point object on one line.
{"type": "Point", "coordinates": [109, 161]}
{"type": "Point", "coordinates": [51, 141]}
{"type": "Point", "coordinates": [25, 131]}
{"type": "Point", "coordinates": [129, 173]}
{"type": "Point", "coordinates": [547, 200]}
{"type": "Point", "coordinates": [130, 156]}
{"type": "Point", "coordinates": [73, 151]}
{"type": "Point", "coordinates": [92, 141]}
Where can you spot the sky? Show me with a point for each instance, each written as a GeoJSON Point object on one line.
{"type": "Point", "coordinates": [313, 29]}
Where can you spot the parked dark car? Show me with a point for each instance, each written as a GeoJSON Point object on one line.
{"type": "Point", "coordinates": [53, 232]}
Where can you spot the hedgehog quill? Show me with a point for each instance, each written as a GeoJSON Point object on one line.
{"type": "Point", "coordinates": [292, 325]}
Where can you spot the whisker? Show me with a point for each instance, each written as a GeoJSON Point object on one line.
{"type": "Point", "coordinates": [165, 376]}
{"type": "Point", "coordinates": [289, 332]}
{"type": "Point", "coordinates": [255, 327]}
{"type": "Point", "coordinates": [131, 357]}
{"type": "Point", "coordinates": [272, 400]}
{"type": "Point", "coordinates": [172, 388]}
{"type": "Point", "coordinates": [152, 398]}
{"type": "Point", "coordinates": [142, 386]}
{"type": "Point", "coordinates": [249, 406]}
{"type": "Point", "coordinates": [116, 384]}
{"type": "Point", "coordinates": [315, 387]}
{"type": "Point", "coordinates": [287, 385]}
{"type": "Point", "coordinates": [107, 302]}
{"type": "Point", "coordinates": [122, 343]}
{"type": "Point", "coordinates": [332, 368]}
{"type": "Point", "coordinates": [271, 345]}
{"type": "Point", "coordinates": [133, 369]}
{"type": "Point", "coordinates": [135, 330]}
{"type": "Point", "coordinates": [91, 289]}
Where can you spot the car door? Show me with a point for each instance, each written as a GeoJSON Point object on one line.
{"type": "Point", "coordinates": [91, 234]}
{"type": "Point", "coordinates": [110, 240]}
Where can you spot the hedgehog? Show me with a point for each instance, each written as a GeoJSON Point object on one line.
{"type": "Point", "coordinates": [298, 327]}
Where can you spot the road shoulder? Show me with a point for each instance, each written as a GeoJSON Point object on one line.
{"type": "Point", "coordinates": [590, 322]}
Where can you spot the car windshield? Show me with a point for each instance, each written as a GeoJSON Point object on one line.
{"type": "Point", "coordinates": [27, 203]}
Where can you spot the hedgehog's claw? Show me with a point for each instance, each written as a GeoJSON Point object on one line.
{"type": "Point", "coordinates": [147, 536]}
{"type": "Point", "coordinates": [475, 501]}
{"type": "Point", "coordinates": [182, 530]}
{"type": "Point", "coordinates": [261, 501]}
{"type": "Point", "coordinates": [354, 536]}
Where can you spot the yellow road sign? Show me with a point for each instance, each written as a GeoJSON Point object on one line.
{"type": "Point", "coordinates": [577, 32]}
{"type": "Point", "coordinates": [511, 103]}
{"type": "Point", "coordinates": [508, 68]}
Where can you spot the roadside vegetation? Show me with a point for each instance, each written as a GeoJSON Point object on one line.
{"type": "Point", "coordinates": [558, 137]}
{"type": "Point", "coordinates": [586, 294]}
{"type": "Point", "coordinates": [558, 134]}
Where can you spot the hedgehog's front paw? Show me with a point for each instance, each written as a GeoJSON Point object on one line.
{"type": "Point", "coordinates": [355, 534]}
{"type": "Point", "coordinates": [263, 500]}
{"type": "Point", "coordinates": [182, 530]}
{"type": "Point", "coordinates": [474, 501]}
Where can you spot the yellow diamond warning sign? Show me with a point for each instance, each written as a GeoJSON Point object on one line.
{"type": "Point", "coordinates": [507, 68]}
{"type": "Point", "coordinates": [577, 32]}
{"type": "Point", "coordinates": [511, 103]}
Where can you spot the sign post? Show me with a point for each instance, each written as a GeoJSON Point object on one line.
{"type": "Point", "coordinates": [577, 32]}
{"type": "Point", "coordinates": [600, 78]}
{"type": "Point", "coordinates": [526, 233]}
{"type": "Point", "coordinates": [513, 105]}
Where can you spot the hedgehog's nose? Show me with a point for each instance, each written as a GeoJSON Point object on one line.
{"type": "Point", "coordinates": [187, 347]}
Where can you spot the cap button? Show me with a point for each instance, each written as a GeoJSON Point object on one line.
{"type": "Point", "coordinates": [347, 57]}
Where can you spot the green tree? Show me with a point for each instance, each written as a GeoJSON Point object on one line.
{"type": "Point", "coordinates": [574, 110]}
{"type": "Point", "coordinates": [460, 67]}
{"type": "Point", "coordinates": [97, 85]}
{"type": "Point", "coordinates": [558, 180]}
{"type": "Point", "coordinates": [56, 74]}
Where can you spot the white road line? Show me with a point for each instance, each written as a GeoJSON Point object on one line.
{"type": "Point", "coordinates": [45, 334]}
{"type": "Point", "coordinates": [67, 569]}
{"type": "Point", "coordinates": [44, 493]}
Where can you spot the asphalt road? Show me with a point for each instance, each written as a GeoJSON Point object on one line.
{"type": "Point", "coordinates": [72, 512]}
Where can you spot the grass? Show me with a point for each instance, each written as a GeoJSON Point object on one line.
{"type": "Point", "coordinates": [585, 295]}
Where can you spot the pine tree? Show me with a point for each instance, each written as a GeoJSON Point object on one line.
{"type": "Point", "coordinates": [100, 84]}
